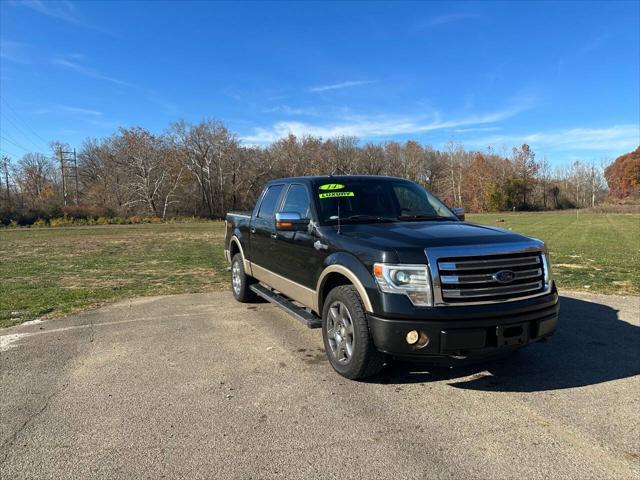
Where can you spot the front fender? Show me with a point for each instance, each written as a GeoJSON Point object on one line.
{"type": "Point", "coordinates": [349, 266]}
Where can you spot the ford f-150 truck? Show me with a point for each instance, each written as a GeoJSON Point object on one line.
{"type": "Point", "coordinates": [388, 271]}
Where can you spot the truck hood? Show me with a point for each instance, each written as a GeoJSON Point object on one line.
{"type": "Point", "coordinates": [404, 236]}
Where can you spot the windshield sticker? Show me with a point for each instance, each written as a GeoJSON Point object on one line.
{"type": "Point", "coordinates": [332, 186]}
{"type": "Point", "coordinates": [337, 194]}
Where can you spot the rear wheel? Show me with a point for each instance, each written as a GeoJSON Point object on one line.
{"type": "Point", "coordinates": [240, 281]}
{"type": "Point", "coordinates": [345, 332]}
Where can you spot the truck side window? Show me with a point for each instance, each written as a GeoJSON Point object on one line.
{"type": "Point", "coordinates": [270, 201]}
{"type": "Point", "coordinates": [297, 201]}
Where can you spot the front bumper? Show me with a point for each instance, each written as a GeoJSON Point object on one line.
{"type": "Point", "coordinates": [469, 331]}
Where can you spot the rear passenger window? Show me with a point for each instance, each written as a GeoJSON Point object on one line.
{"type": "Point", "coordinates": [297, 201]}
{"type": "Point", "coordinates": [270, 201]}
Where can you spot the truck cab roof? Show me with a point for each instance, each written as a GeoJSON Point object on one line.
{"type": "Point", "coordinates": [334, 178]}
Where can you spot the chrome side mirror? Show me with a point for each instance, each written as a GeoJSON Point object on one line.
{"type": "Point", "coordinates": [458, 212]}
{"type": "Point", "coordinates": [291, 221]}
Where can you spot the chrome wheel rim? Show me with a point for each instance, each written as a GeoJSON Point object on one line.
{"type": "Point", "coordinates": [340, 332]}
{"type": "Point", "coordinates": [236, 283]}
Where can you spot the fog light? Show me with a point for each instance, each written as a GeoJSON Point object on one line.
{"type": "Point", "coordinates": [412, 337]}
{"type": "Point", "coordinates": [423, 341]}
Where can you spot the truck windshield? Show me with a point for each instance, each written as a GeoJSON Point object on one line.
{"type": "Point", "coordinates": [371, 200]}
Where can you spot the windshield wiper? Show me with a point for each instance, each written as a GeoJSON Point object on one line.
{"type": "Point", "coordinates": [368, 218]}
{"type": "Point", "coordinates": [420, 217]}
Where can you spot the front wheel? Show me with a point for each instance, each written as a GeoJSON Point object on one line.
{"type": "Point", "coordinates": [345, 332]}
{"type": "Point", "coordinates": [240, 281]}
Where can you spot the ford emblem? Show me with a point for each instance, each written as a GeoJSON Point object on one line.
{"type": "Point", "coordinates": [504, 276]}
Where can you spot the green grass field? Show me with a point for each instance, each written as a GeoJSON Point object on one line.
{"type": "Point", "coordinates": [51, 272]}
{"type": "Point", "coordinates": [595, 252]}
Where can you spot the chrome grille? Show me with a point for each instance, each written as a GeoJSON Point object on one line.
{"type": "Point", "coordinates": [491, 278]}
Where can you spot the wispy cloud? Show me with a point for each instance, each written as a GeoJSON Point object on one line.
{"type": "Point", "coordinates": [81, 111]}
{"type": "Point", "coordinates": [75, 62]}
{"type": "Point", "coordinates": [445, 19]}
{"type": "Point", "coordinates": [287, 110]}
{"type": "Point", "coordinates": [71, 62]}
{"type": "Point", "coordinates": [338, 86]}
{"type": "Point", "coordinates": [380, 126]}
{"type": "Point", "coordinates": [68, 109]}
{"type": "Point", "coordinates": [77, 116]}
{"type": "Point", "coordinates": [614, 138]}
{"type": "Point", "coordinates": [17, 52]}
{"type": "Point", "coordinates": [62, 10]}
{"type": "Point", "coordinates": [477, 129]}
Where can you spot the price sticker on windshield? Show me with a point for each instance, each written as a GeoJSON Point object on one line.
{"type": "Point", "coordinates": [337, 194]}
{"type": "Point", "coordinates": [332, 186]}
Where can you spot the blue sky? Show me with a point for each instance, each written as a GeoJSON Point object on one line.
{"type": "Point", "coordinates": [563, 77]}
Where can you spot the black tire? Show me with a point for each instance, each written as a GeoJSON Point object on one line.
{"type": "Point", "coordinates": [365, 360]}
{"type": "Point", "coordinates": [241, 291]}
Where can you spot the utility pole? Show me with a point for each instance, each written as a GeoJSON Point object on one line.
{"type": "Point", "coordinates": [68, 172]}
{"type": "Point", "coordinates": [75, 172]}
{"type": "Point", "coordinates": [62, 174]}
{"type": "Point", "coordinates": [5, 163]}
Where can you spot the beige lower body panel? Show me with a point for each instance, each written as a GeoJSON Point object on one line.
{"type": "Point", "coordinates": [293, 290]}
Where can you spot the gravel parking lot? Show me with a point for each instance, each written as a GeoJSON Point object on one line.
{"type": "Point", "coordinates": [199, 386]}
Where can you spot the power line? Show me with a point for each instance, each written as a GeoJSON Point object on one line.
{"type": "Point", "coordinates": [4, 151]}
{"type": "Point", "coordinates": [20, 129]}
{"type": "Point", "coordinates": [30, 143]}
{"type": "Point", "coordinates": [15, 143]}
{"type": "Point", "coordinates": [25, 123]}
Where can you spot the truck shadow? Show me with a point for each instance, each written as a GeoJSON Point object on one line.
{"type": "Point", "coordinates": [591, 345]}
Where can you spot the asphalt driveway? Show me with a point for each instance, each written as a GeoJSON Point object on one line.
{"type": "Point", "coordinates": [199, 386]}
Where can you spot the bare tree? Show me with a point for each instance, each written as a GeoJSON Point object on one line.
{"type": "Point", "coordinates": [455, 165]}
{"type": "Point", "coordinates": [525, 168]}
{"type": "Point", "coordinates": [35, 177]}
{"type": "Point", "coordinates": [372, 160]}
{"type": "Point", "coordinates": [153, 172]}
{"type": "Point", "coordinates": [210, 152]}
{"type": "Point", "coordinates": [203, 169]}
{"type": "Point", "coordinates": [544, 177]}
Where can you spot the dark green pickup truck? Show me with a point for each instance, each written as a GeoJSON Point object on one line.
{"type": "Point", "coordinates": [387, 270]}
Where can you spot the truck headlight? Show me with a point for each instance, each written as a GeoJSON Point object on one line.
{"type": "Point", "coordinates": [548, 273]}
{"type": "Point", "coordinates": [413, 281]}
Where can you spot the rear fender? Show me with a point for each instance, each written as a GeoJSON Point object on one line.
{"type": "Point", "coordinates": [236, 243]}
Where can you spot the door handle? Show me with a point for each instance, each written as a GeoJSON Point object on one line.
{"type": "Point", "coordinates": [274, 235]}
{"type": "Point", "coordinates": [252, 230]}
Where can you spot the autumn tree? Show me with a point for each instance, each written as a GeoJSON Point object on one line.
{"type": "Point", "coordinates": [103, 178]}
{"type": "Point", "coordinates": [525, 169]}
{"type": "Point", "coordinates": [371, 160]}
{"type": "Point", "coordinates": [204, 169]}
{"type": "Point", "coordinates": [35, 175]}
{"type": "Point", "coordinates": [623, 175]}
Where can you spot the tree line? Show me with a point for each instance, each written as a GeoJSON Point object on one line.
{"type": "Point", "coordinates": [202, 169]}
